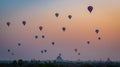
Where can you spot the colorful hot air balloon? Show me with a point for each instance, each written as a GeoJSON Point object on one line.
{"type": "Point", "coordinates": [90, 8]}
{"type": "Point", "coordinates": [64, 29]}
{"type": "Point", "coordinates": [56, 14]}
{"type": "Point", "coordinates": [69, 16]}
{"type": "Point", "coordinates": [8, 24]}
{"type": "Point", "coordinates": [24, 23]}
{"type": "Point", "coordinates": [40, 28]}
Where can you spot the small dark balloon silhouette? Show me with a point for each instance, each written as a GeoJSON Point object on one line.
{"type": "Point", "coordinates": [40, 28]}
{"type": "Point", "coordinates": [97, 31]}
{"type": "Point", "coordinates": [19, 44]}
{"type": "Point", "coordinates": [42, 51]}
{"type": "Point", "coordinates": [75, 49]}
{"type": "Point", "coordinates": [56, 14]}
{"type": "Point", "coordinates": [43, 36]}
{"type": "Point", "coordinates": [8, 24]}
{"type": "Point", "coordinates": [69, 16]}
{"type": "Point", "coordinates": [24, 23]}
{"type": "Point", "coordinates": [36, 36]}
{"type": "Point", "coordinates": [78, 53]}
{"type": "Point", "coordinates": [8, 50]}
{"type": "Point", "coordinates": [64, 29]}
{"type": "Point", "coordinates": [53, 43]}
{"type": "Point", "coordinates": [90, 8]}
{"type": "Point", "coordinates": [88, 42]}
{"type": "Point", "coordinates": [99, 38]}
{"type": "Point", "coordinates": [45, 50]}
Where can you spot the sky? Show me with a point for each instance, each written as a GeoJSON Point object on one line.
{"type": "Point", "coordinates": [105, 16]}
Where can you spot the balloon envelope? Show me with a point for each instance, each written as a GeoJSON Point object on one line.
{"type": "Point", "coordinates": [99, 38]}
{"type": "Point", "coordinates": [56, 14]}
{"type": "Point", "coordinates": [69, 16]}
{"type": "Point", "coordinates": [90, 8]}
{"type": "Point", "coordinates": [24, 23]}
{"type": "Point", "coordinates": [19, 44]}
{"type": "Point", "coordinates": [64, 29]}
{"type": "Point", "coordinates": [88, 42]}
{"type": "Point", "coordinates": [45, 51]}
{"type": "Point", "coordinates": [8, 50]}
{"type": "Point", "coordinates": [8, 24]}
{"type": "Point", "coordinates": [43, 36]}
{"type": "Point", "coordinates": [97, 31]}
{"type": "Point", "coordinates": [53, 43]}
{"type": "Point", "coordinates": [75, 49]}
{"type": "Point", "coordinates": [41, 51]}
{"type": "Point", "coordinates": [36, 36]}
{"type": "Point", "coordinates": [78, 53]}
{"type": "Point", "coordinates": [40, 27]}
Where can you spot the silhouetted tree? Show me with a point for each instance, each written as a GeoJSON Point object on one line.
{"type": "Point", "coordinates": [20, 62]}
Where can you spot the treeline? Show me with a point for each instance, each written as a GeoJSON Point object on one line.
{"type": "Point", "coordinates": [21, 63]}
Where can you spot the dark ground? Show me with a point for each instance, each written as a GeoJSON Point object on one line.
{"type": "Point", "coordinates": [21, 63]}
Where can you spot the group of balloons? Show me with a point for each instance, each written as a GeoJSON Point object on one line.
{"type": "Point", "coordinates": [69, 16]}
{"type": "Point", "coordinates": [19, 44]}
{"type": "Point", "coordinates": [40, 28]}
{"type": "Point", "coordinates": [9, 23]}
{"type": "Point", "coordinates": [76, 50]}
{"type": "Point", "coordinates": [90, 8]}
{"type": "Point", "coordinates": [57, 15]}
{"type": "Point", "coordinates": [44, 51]}
{"type": "Point", "coordinates": [99, 38]}
{"type": "Point", "coordinates": [97, 31]}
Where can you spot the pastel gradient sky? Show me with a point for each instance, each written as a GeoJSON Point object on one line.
{"type": "Point", "coordinates": [81, 28]}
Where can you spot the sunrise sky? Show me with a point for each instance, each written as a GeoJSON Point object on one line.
{"type": "Point", "coordinates": [80, 29]}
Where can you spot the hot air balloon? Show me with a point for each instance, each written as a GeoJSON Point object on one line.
{"type": "Point", "coordinates": [99, 38]}
{"type": "Point", "coordinates": [40, 27]}
{"type": "Point", "coordinates": [8, 50]}
{"type": "Point", "coordinates": [88, 42]}
{"type": "Point", "coordinates": [36, 36]}
{"type": "Point", "coordinates": [41, 51]}
{"type": "Point", "coordinates": [90, 8]}
{"type": "Point", "coordinates": [45, 50]}
{"type": "Point", "coordinates": [56, 14]}
{"type": "Point", "coordinates": [78, 53]}
{"type": "Point", "coordinates": [64, 29]}
{"type": "Point", "coordinates": [97, 31]}
{"type": "Point", "coordinates": [43, 36]}
{"type": "Point", "coordinates": [19, 44]}
{"type": "Point", "coordinates": [69, 16]}
{"type": "Point", "coordinates": [75, 49]}
{"type": "Point", "coordinates": [24, 23]}
{"type": "Point", "coordinates": [53, 43]}
{"type": "Point", "coordinates": [8, 24]}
